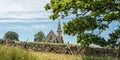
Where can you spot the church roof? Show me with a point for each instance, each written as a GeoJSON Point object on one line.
{"type": "Point", "coordinates": [50, 33]}
{"type": "Point", "coordinates": [59, 27]}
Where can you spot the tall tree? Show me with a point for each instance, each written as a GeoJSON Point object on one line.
{"type": "Point", "coordinates": [91, 16]}
{"type": "Point", "coordinates": [114, 41]}
{"type": "Point", "coordinates": [39, 37]}
{"type": "Point", "coordinates": [10, 35]}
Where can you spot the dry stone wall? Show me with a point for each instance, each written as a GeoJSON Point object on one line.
{"type": "Point", "coordinates": [63, 48]}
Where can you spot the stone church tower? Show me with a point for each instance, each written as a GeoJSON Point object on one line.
{"type": "Point", "coordinates": [59, 32]}
{"type": "Point", "coordinates": [51, 37]}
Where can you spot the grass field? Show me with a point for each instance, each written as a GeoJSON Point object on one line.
{"type": "Point", "coordinates": [53, 56]}
{"type": "Point", "coordinates": [14, 53]}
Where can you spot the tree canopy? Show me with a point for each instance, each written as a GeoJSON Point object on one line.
{"type": "Point", "coordinates": [10, 35]}
{"type": "Point", "coordinates": [39, 37]}
{"type": "Point", "coordinates": [91, 16]}
{"type": "Point", "coordinates": [114, 40]}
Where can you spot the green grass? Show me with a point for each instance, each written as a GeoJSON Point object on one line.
{"type": "Point", "coordinates": [99, 58]}
{"type": "Point", "coordinates": [54, 56]}
{"type": "Point", "coordinates": [14, 53]}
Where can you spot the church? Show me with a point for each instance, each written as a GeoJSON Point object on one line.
{"type": "Point", "coordinates": [53, 38]}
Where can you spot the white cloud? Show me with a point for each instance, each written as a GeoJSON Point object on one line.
{"type": "Point", "coordinates": [26, 14]}
{"type": "Point", "coordinates": [22, 5]}
{"type": "Point", "coordinates": [40, 26]}
{"type": "Point", "coordinates": [4, 21]}
{"type": "Point", "coordinates": [21, 9]}
{"type": "Point", "coordinates": [31, 27]}
{"type": "Point", "coordinates": [6, 7]}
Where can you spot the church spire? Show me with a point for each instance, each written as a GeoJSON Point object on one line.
{"type": "Point", "coordinates": [59, 27]}
{"type": "Point", "coordinates": [59, 31]}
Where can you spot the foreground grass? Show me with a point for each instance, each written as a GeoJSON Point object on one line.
{"type": "Point", "coordinates": [14, 53]}
{"type": "Point", "coordinates": [98, 58]}
{"type": "Point", "coordinates": [53, 56]}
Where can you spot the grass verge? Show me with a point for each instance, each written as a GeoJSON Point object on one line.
{"type": "Point", "coordinates": [14, 53]}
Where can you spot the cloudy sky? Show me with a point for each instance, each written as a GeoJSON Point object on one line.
{"type": "Point", "coordinates": [27, 17]}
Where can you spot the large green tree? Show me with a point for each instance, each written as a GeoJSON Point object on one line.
{"type": "Point", "coordinates": [114, 41]}
{"type": "Point", "coordinates": [39, 37]}
{"type": "Point", "coordinates": [10, 35]}
{"type": "Point", "coordinates": [91, 16]}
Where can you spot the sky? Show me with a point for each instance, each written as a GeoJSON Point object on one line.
{"type": "Point", "coordinates": [27, 17]}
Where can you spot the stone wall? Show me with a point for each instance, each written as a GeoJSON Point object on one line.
{"type": "Point", "coordinates": [63, 48]}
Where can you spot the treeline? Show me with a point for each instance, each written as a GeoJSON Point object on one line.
{"type": "Point", "coordinates": [11, 35]}
{"type": "Point", "coordinates": [112, 42]}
